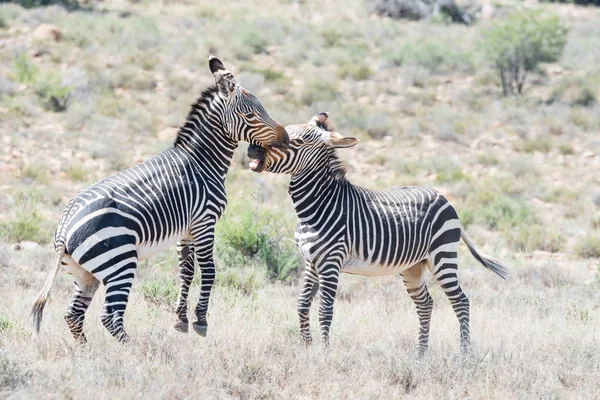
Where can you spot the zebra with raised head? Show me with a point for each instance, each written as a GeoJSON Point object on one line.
{"type": "Point", "coordinates": [346, 228]}
{"type": "Point", "coordinates": [176, 196]}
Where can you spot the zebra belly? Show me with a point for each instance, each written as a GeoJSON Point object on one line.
{"type": "Point", "coordinates": [146, 250]}
{"type": "Point", "coordinates": [357, 266]}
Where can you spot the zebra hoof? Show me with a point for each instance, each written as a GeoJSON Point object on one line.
{"type": "Point", "coordinates": [200, 329]}
{"type": "Point", "coordinates": [181, 326]}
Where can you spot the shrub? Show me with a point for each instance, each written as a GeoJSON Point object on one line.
{"type": "Point", "coordinates": [432, 55]}
{"type": "Point", "coordinates": [24, 70]}
{"type": "Point", "coordinates": [518, 45]}
{"type": "Point", "coordinates": [451, 176]}
{"type": "Point", "coordinates": [588, 246]}
{"type": "Point", "coordinates": [6, 324]}
{"type": "Point", "coordinates": [249, 236]}
{"type": "Point", "coordinates": [575, 91]}
{"type": "Point", "coordinates": [76, 172]}
{"type": "Point", "coordinates": [531, 145]}
{"type": "Point", "coordinates": [159, 292]}
{"type": "Point", "coordinates": [319, 90]}
{"type": "Point", "coordinates": [246, 283]}
{"type": "Point", "coordinates": [24, 226]}
{"type": "Point", "coordinates": [52, 93]}
{"type": "Point", "coordinates": [534, 237]}
{"type": "Point", "coordinates": [356, 72]}
{"type": "Point", "coordinates": [495, 210]}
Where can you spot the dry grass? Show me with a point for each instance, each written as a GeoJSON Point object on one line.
{"type": "Point", "coordinates": [534, 335]}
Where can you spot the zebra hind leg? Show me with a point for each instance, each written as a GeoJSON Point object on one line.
{"type": "Point", "coordinates": [307, 293]}
{"type": "Point", "coordinates": [445, 272]}
{"type": "Point", "coordinates": [185, 252]}
{"type": "Point", "coordinates": [417, 290]}
{"type": "Point", "coordinates": [118, 286]}
{"type": "Point", "coordinates": [85, 288]}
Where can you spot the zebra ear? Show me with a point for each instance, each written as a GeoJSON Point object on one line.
{"type": "Point", "coordinates": [338, 141]}
{"type": "Point", "coordinates": [319, 119]}
{"type": "Point", "coordinates": [223, 77]}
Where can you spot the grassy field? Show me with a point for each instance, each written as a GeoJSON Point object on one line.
{"type": "Point", "coordinates": [522, 171]}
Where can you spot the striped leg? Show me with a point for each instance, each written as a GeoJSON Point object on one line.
{"type": "Point", "coordinates": [329, 274]}
{"type": "Point", "coordinates": [203, 245]}
{"type": "Point", "coordinates": [309, 289]}
{"type": "Point", "coordinates": [85, 288]}
{"type": "Point", "coordinates": [185, 252]}
{"type": "Point", "coordinates": [417, 290]}
{"type": "Point", "coordinates": [445, 271]}
{"type": "Point", "coordinates": [118, 285]}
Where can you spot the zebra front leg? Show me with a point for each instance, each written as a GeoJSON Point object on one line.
{"type": "Point", "coordinates": [311, 282]}
{"type": "Point", "coordinates": [118, 286]}
{"type": "Point", "coordinates": [203, 246]}
{"type": "Point", "coordinates": [329, 274]}
{"type": "Point", "coordinates": [417, 290]}
{"type": "Point", "coordinates": [185, 254]}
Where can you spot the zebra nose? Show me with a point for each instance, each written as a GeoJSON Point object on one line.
{"type": "Point", "coordinates": [283, 140]}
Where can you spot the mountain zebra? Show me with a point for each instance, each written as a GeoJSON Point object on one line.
{"type": "Point", "coordinates": [346, 228]}
{"type": "Point", "coordinates": [177, 195]}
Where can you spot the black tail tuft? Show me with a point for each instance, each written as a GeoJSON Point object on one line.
{"type": "Point", "coordinates": [489, 262]}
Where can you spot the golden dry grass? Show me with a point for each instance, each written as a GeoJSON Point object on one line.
{"type": "Point", "coordinates": [534, 336]}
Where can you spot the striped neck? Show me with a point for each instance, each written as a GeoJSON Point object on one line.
{"type": "Point", "coordinates": [314, 186]}
{"type": "Point", "coordinates": [203, 135]}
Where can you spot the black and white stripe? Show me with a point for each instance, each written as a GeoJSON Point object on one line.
{"type": "Point", "coordinates": [176, 196]}
{"type": "Point", "coordinates": [346, 228]}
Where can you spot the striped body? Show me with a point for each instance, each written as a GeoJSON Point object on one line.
{"type": "Point", "coordinates": [174, 197]}
{"type": "Point", "coordinates": [346, 228]}
{"type": "Point", "coordinates": [383, 232]}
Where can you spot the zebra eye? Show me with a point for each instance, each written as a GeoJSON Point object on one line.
{"type": "Point", "coordinates": [250, 115]}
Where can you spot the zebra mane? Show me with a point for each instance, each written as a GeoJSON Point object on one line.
{"type": "Point", "coordinates": [205, 97]}
{"type": "Point", "coordinates": [337, 167]}
{"type": "Point", "coordinates": [327, 125]}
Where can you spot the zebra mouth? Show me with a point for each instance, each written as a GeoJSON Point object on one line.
{"type": "Point", "coordinates": [257, 156]}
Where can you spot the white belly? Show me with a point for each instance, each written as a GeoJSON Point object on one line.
{"type": "Point", "coordinates": [361, 267]}
{"type": "Point", "coordinates": [146, 250]}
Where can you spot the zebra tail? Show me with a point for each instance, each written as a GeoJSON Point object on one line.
{"type": "Point", "coordinates": [489, 262]}
{"type": "Point", "coordinates": [37, 310]}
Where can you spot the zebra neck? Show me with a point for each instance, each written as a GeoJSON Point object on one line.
{"type": "Point", "coordinates": [311, 188]}
{"type": "Point", "coordinates": [204, 139]}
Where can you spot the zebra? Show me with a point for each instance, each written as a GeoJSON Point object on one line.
{"type": "Point", "coordinates": [346, 228]}
{"type": "Point", "coordinates": [174, 197]}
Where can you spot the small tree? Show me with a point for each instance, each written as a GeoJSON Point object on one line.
{"type": "Point", "coordinates": [519, 44]}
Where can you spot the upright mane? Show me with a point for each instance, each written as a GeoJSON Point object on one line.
{"type": "Point", "coordinates": [338, 169]}
{"type": "Point", "coordinates": [205, 97]}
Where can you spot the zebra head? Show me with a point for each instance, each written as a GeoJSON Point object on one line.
{"type": "Point", "coordinates": [244, 117]}
{"type": "Point", "coordinates": [311, 146]}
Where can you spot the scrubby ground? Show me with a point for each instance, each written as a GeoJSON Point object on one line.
{"type": "Point", "coordinates": [523, 172]}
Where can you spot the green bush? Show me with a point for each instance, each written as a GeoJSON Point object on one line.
{"type": "Point", "coordinates": [24, 226]}
{"type": "Point", "coordinates": [6, 324]}
{"type": "Point", "coordinates": [159, 292]}
{"type": "Point", "coordinates": [251, 236]}
{"type": "Point", "coordinates": [588, 246]}
{"type": "Point", "coordinates": [531, 237]}
{"type": "Point", "coordinates": [495, 210]}
{"type": "Point", "coordinates": [356, 72]}
{"type": "Point", "coordinates": [52, 93]}
{"type": "Point", "coordinates": [246, 283]}
{"type": "Point", "coordinates": [24, 70]}
{"type": "Point", "coordinates": [451, 176]}
{"type": "Point", "coordinates": [434, 56]}
{"type": "Point", "coordinates": [575, 91]}
{"type": "Point", "coordinates": [516, 47]}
